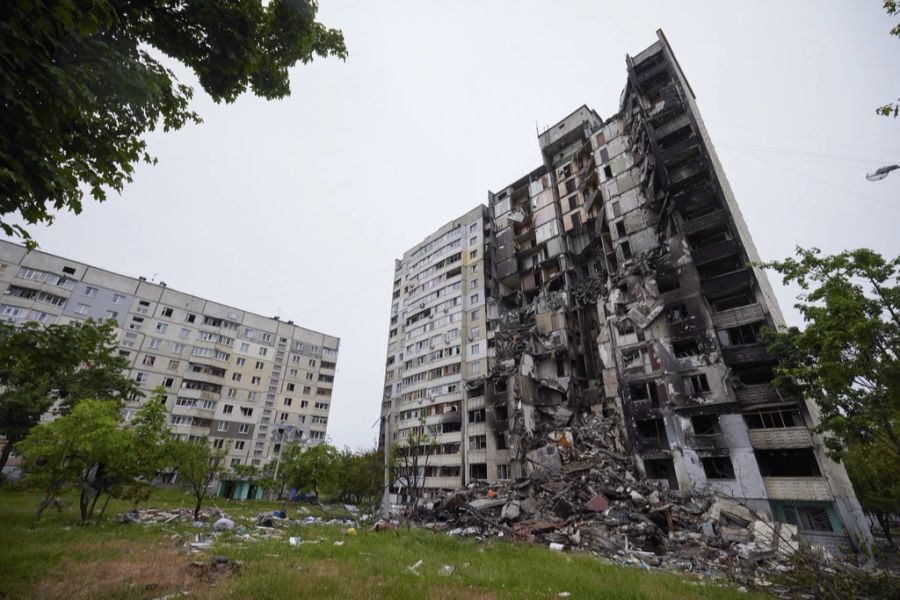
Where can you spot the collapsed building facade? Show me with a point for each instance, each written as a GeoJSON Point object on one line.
{"type": "Point", "coordinates": [618, 277]}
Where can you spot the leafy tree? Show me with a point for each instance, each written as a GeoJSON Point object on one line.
{"type": "Point", "coordinates": [68, 449]}
{"type": "Point", "coordinates": [875, 473]}
{"type": "Point", "coordinates": [846, 358]}
{"type": "Point", "coordinates": [409, 463]}
{"type": "Point", "coordinates": [273, 478]}
{"type": "Point", "coordinates": [892, 108]}
{"type": "Point", "coordinates": [198, 465]}
{"type": "Point", "coordinates": [82, 83]}
{"type": "Point", "coordinates": [89, 448]}
{"type": "Point", "coordinates": [68, 363]}
{"type": "Point", "coordinates": [313, 468]}
{"type": "Point", "coordinates": [361, 476]}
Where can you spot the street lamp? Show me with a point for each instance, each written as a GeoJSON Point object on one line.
{"type": "Point", "coordinates": [881, 172]}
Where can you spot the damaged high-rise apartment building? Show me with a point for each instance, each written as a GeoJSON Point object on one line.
{"type": "Point", "coordinates": [616, 277]}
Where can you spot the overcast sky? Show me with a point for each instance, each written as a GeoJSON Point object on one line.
{"type": "Point", "coordinates": [298, 208]}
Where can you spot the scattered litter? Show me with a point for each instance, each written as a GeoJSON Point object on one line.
{"type": "Point", "coordinates": [557, 547]}
{"type": "Point", "coordinates": [294, 541]}
{"type": "Point", "coordinates": [447, 570]}
{"type": "Point", "coordinates": [223, 524]}
{"type": "Point", "coordinates": [414, 569]}
{"type": "Point", "coordinates": [339, 543]}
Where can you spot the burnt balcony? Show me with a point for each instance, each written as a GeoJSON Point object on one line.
{"type": "Point", "coordinates": [727, 283]}
{"type": "Point", "coordinates": [687, 173]}
{"type": "Point", "coordinates": [695, 198]}
{"type": "Point", "coordinates": [715, 251]}
{"type": "Point", "coordinates": [500, 426]}
{"type": "Point", "coordinates": [734, 317]}
{"type": "Point", "coordinates": [661, 130]}
{"type": "Point", "coordinates": [717, 219]}
{"type": "Point", "coordinates": [676, 152]}
{"type": "Point", "coordinates": [709, 441]}
{"type": "Point", "coordinates": [746, 354]}
{"type": "Point", "coordinates": [760, 393]}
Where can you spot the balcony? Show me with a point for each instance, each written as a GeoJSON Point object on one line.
{"type": "Point", "coordinates": [687, 173]}
{"type": "Point", "coordinates": [741, 315]}
{"type": "Point", "coordinates": [782, 437]}
{"type": "Point", "coordinates": [713, 252]}
{"type": "Point", "coordinates": [718, 219]}
{"type": "Point", "coordinates": [647, 74]}
{"type": "Point", "coordinates": [746, 354]}
{"type": "Point", "coordinates": [715, 440]}
{"type": "Point", "coordinates": [727, 283]}
{"type": "Point", "coordinates": [449, 483]}
{"type": "Point", "coordinates": [673, 125]}
{"type": "Point", "coordinates": [798, 488]}
{"type": "Point", "coordinates": [695, 198]}
{"type": "Point", "coordinates": [680, 150]}
{"type": "Point", "coordinates": [762, 393]}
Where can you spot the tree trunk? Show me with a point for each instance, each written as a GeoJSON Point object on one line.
{"type": "Point", "coordinates": [94, 504]}
{"type": "Point", "coordinates": [197, 508]}
{"type": "Point", "coordinates": [43, 506]}
{"type": "Point", "coordinates": [4, 455]}
{"type": "Point", "coordinates": [885, 522]}
{"type": "Point", "coordinates": [83, 504]}
{"type": "Point", "coordinates": [103, 510]}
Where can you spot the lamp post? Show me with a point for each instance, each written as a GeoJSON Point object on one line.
{"type": "Point", "coordinates": [881, 172]}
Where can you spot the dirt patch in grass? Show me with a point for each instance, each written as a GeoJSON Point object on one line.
{"type": "Point", "coordinates": [146, 573]}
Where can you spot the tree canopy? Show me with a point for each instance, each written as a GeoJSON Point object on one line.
{"type": "Point", "coordinates": [66, 362]}
{"type": "Point", "coordinates": [83, 81]}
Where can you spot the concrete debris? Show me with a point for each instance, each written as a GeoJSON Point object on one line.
{"type": "Point", "coordinates": [447, 570]}
{"type": "Point", "coordinates": [155, 516]}
{"type": "Point", "coordinates": [590, 498]}
{"type": "Point", "coordinates": [223, 524]}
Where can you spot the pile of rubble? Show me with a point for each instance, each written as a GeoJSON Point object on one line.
{"type": "Point", "coordinates": [582, 493]}
{"type": "Point", "coordinates": [157, 516]}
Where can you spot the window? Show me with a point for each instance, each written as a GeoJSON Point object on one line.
{"type": "Point", "coordinates": [475, 367]}
{"type": "Point", "coordinates": [255, 381]}
{"type": "Point", "coordinates": [290, 387]}
{"type": "Point", "coordinates": [154, 343]}
{"type": "Point", "coordinates": [706, 424]}
{"type": "Point", "coordinates": [142, 377]}
{"type": "Point", "coordinates": [626, 250]}
{"type": "Point", "coordinates": [239, 445]}
{"type": "Point", "coordinates": [474, 349]}
{"type": "Point", "coordinates": [177, 348]}
{"type": "Point", "coordinates": [173, 364]}
{"type": "Point", "coordinates": [312, 362]}
{"type": "Point", "coordinates": [167, 312]}
{"type": "Point", "coordinates": [476, 416]}
{"type": "Point", "coordinates": [149, 360]}
{"type": "Point", "coordinates": [223, 425]}
{"type": "Point", "coordinates": [232, 393]}
{"type": "Point", "coordinates": [807, 516]}
{"type": "Point", "coordinates": [190, 318]}
{"type": "Point", "coordinates": [473, 240]}
{"type": "Point", "coordinates": [473, 299]}
{"type": "Point", "coordinates": [111, 314]}
{"type": "Point", "coordinates": [475, 332]}
{"type": "Point", "coordinates": [769, 419]}
{"type": "Point", "coordinates": [263, 351]}
{"type": "Point", "coordinates": [694, 385]}
{"type": "Point", "coordinates": [218, 443]}
{"type": "Point", "coordinates": [168, 382]}
{"type": "Point", "coordinates": [288, 401]}
{"type": "Point", "coordinates": [161, 327]}
{"type": "Point", "coordinates": [227, 409]}
{"type": "Point", "coordinates": [259, 365]}
{"type": "Point", "coordinates": [246, 411]}
{"type": "Point", "coordinates": [304, 403]}
{"type": "Point", "coordinates": [718, 467]}
{"type": "Point", "coordinates": [645, 390]}
{"type": "Point", "coordinates": [473, 254]}
{"type": "Point", "coordinates": [321, 406]}
{"type": "Point", "coordinates": [244, 428]}
{"type": "Point", "coordinates": [502, 471]}
{"type": "Point", "coordinates": [477, 442]}
{"type": "Point", "coordinates": [473, 316]}
{"type": "Point", "coordinates": [473, 269]}
{"type": "Point", "coordinates": [309, 376]}
{"type": "Point", "coordinates": [235, 376]}
{"type": "Point", "coordinates": [240, 362]}
{"type": "Point", "coordinates": [307, 389]}
{"type": "Point", "coordinates": [252, 396]}
{"type": "Point", "coordinates": [82, 309]}
{"type": "Point", "coordinates": [294, 372]}
{"type": "Point", "coordinates": [90, 292]}
{"type": "Point", "coordinates": [118, 298]}
{"type": "Point", "coordinates": [793, 462]}
{"type": "Point", "coordinates": [245, 347]}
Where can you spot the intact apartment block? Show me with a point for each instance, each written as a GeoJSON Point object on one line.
{"type": "Point", "coordinates": [243, 381]}
{"type": "Point", "coordinates": [618, 277]}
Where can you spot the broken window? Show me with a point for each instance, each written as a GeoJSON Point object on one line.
{"type": "Point", "coordinates": [666, 281]}
{"type": "Point", "coordinates": [661, 468]}
{"type": "Point", "coordinates": [706, 424]}
{"type": "Point", "coordinates": [502, 471]}
{"type": "Point", "coordinates": [644, 391]}
{"type": "Point", "coordinates": [733, 301]}
{"type": "Point", "coordinates": [677, 314]}
{"type": "Point", "coordinates": [773, 419]}
{"type": "Point", "coordinates": [718, 467]}
{"type": "Point", "coordinates": [743, 334]}
{"type": "Point", "coordinates": [620, 229]}
{"type": "Point", "coordinates": [476, 416]}
{"type": "Point", "coordinates": [651, 429]}
{"type": "Point", "coordinates": [607, 170]}
{"type": "Point", "coordinates": [626, 250]}
{"type": "Point", "coordinates": [788, 462]}
{"type": "Point", "coordinates": [754, 375]}
{"type": "Point", "coordinates": [806, 516]}
{"type": "Point", "coordinates": [632, 358]}
{"type": "Point", "coordinates": [478, 471]}
{"type": "Point", "coordinates": [694, 385]}
{"type": "Point", "coordinates": [686, 348]}
{"type": "Point", "coordinates": [720, 267]}
{"type": "Point", "coordinates": [501, 441]}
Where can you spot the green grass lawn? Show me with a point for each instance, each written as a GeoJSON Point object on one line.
{"type": "Point", "coordinates": [61, 559]}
